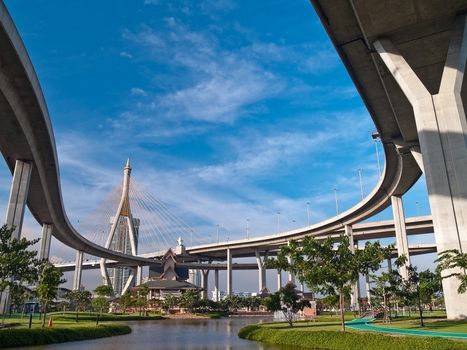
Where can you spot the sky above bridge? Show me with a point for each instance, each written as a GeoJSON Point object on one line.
{"type": "Point", "coordinates": [229, 110]}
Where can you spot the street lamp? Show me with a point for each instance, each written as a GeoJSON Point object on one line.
{"type": "Point", "coordinates": [337, 200]}
{"type": "Point", "coordinates": [361, 181]}
{"type": "Point", "coordinates": [376, 137]}
{"type": "Point", "coordinates": [308, 213]}
{"type": "Point", "coordinates": [217, 227]}
{"type": "Point", "coordinates": [247, 229]}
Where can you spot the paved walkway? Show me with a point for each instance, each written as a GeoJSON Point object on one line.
{"type": "Point", "coordinates": [363, 325]}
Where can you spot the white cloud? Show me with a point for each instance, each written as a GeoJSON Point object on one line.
{"type": "Point", "coordinates": [126, 54]}
{"type": "Point", "coordinates": [138, 92]}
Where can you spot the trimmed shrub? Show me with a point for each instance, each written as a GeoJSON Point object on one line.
{"type": "Point", "coordinates": [13, 337]}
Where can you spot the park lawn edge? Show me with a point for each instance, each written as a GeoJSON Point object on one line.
{"type": "Point", "coordinates": [14, 337]}
{"type": "Point", "coordinates": [336, 340]}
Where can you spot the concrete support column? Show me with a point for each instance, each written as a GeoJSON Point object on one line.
{"type": "Point", "coordinates": [368, 289]}
{"type": "Point", "coordinates": [355, 292]}
{"type": "Point", "coordinates": [15, 211]}
{"type": "Point", "coordinates": [45, 241]}
{"type": "Point", "coordinates": [78, 270]}
{"type": "Point", "coordinates": [204, 284]}
{"type": "Point", "coordinates": [229, 272]}
{"type": "Point", "coordinates": [216, 285]}
{"type": "Point", "coordinates": [18, 196]}
{"type": "Point", "coordinates": [261, 270]}
{"type": "Point", "coordinates": [139, 275]}
{"type": "Point", "coordinates": [279, 279]}
{"type": "Point", "coordinates": [389, 265]}
{"type": "Point", "coordinates": [291, 275]}
{"type": "Point", "coordinates": [401, 232]}
{"type": "Point", "coordinates": [442, 133]}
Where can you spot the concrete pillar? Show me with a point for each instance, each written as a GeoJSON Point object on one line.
{"type": "Point", "coordinates": [78, 270]}
{"type": "Point", "coordinates": [18, 196]}
{"type": "Point", "coordinates": [368, 288]}
{"type": "Point", "coordinates": [279, 279]}
{"type": "Point", "coordinates": [45, 241]}
{"type": "Point", "coordinates": [442, 133]}
{"type": "Point", "coordinates": [15, 211]}
{"type": "Point", "coordinates": [389, 265]}
{"type": "Point", "coordinates": [216, 285]}
{"type": "Point", "coordinates": [291, 275]}
{"type": "Point", "coordinates": [261, 270]}
{"type": "Point", "coordinates": [204, 283]}
{"type": "Point", "coordinates": [401, 232]}
{"type": "Point", "coordinates": [355, 292]}
{"type": "Point", "coordinates": [139, 275]}
{"type": "Point", "coordinates": [229, 272]}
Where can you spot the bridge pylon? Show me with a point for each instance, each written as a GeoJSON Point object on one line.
{"type": "Point", "coordinates": [122, 237]}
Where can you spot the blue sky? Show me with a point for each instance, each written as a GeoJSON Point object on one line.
{"type": "Point", "coordinates": [228, 109]}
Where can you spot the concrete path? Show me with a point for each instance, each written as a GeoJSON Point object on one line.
{"type": "Point", "coordinates": [363, 325]}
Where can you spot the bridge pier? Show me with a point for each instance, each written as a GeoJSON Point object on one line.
{"type": "Point", "coordinates": [15, 211]}
{"type": "Point", "coordinates": [229, 272]}
{"type": "Point", "coordinates": [355, 292]}
{"type": "Point", "coordinates": [261, 270]}
{"type": "Point", "coordinates": [216, 285]}
{"type": "Point", "coordinates": [291, 275]}
{"type": "Point", "coordinates": [442, 132]}
{"type": "Point", "coordinates": [78, 270]}
{"type": "Point", "coordinates": [279, 279]}
{"type": "Point", "coordinates": [401, 232]}
{"type": "Point", "coordinates": [45, 241]}
{"type": "Point", "coordinates": [139, 275]}
{"type": "Point", "coordinates": [204, 284]}
{"type": "Point", "coordinates": [368, 289]}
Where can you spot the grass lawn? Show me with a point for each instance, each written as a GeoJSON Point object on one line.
{"type": "Point", "coordinates": [325, 334]}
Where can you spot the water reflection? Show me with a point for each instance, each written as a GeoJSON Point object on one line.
{"type": "Point", "coordinates": [175, 334]}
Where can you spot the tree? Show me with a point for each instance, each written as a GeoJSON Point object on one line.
{"type": "Point", "coordinates": [327, 268]}
{"type": "Point", "coordinates": [100, 302]}
{"type": "Point", "coordinates": [19, 294]}
{"type": "Point", "coordinates": [81, 300]}
{"type": "Point", "coordinates": [104, 291]}
{"type": "Point", "coordinates": [420, 288]}
{"type": "Point", "coordinates": [189, 299]}
{"type": "Point", "coordinates": [454, 263]}
{"type": "Point", "coordinates": [50, 278]}
{"type": "Point", "coordinates": [17, 263]}
{"type": "Point", "coordinates": [388, 287]}
{"type": "Point", "coordinates": [170, 301]}
{"type": "Point", "coordinates": [142, 299]}
{"type": "Point", "coordinates": [125, 301]}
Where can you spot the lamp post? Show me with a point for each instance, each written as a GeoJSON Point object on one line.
{"type": "Point", "coordinates": [308, 213]}
{"type": "Point", "coordinates": [217, 227]}
{"type": "Point", "coordinates": [336, 200]}
{"type": "Point", "coordinates": [361, 181]}
{"type": "Point", "coordinates": [376, 137]}
{"type": "Point", "coordinates": [247, 229]}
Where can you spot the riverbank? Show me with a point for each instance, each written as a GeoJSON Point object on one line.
{"type": "Point", "coordinates": [326, 335]}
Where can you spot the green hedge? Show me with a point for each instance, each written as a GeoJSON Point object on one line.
{"type": "Point", "coordinates": [12, 337]}
{"type": "Point", "coordinates": [335, 340]}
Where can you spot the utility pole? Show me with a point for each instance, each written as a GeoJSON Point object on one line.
{"type": "Point", "coordinates": [337, 201]}
{"type": "Point", "coordinates": [376, 137]}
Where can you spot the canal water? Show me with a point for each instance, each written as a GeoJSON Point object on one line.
{"type": "Point", "coordinates": [198, 334]}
